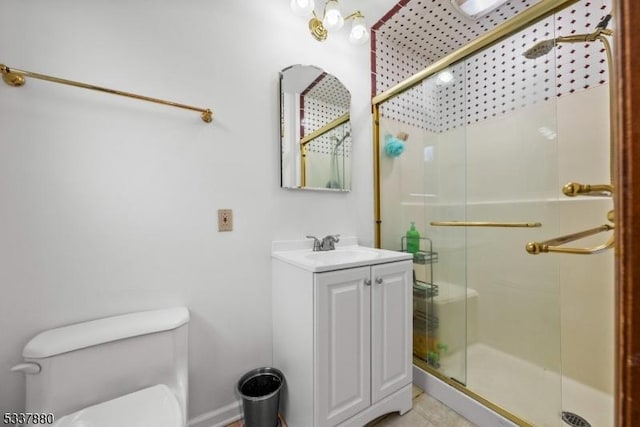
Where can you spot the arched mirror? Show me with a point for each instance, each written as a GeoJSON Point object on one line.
{"type": "Point", "coordinates": [315, 130]}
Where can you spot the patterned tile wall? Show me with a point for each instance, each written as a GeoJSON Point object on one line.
{"type": "Point", "coordinates": [492, 82]}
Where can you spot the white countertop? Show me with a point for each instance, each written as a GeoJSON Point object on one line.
{"type": "Point", "coordinates": [347, 254]}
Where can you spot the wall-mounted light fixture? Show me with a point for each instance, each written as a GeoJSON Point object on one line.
{"type": "Point", "coordinates": [331, 20]}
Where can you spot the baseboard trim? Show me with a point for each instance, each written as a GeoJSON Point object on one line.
{"type": "Point", "coordinates": [454, 399]}
{"type": "Point", "coordinates": [469, 408]}
{"type": "Point", "coordinates": [219, 418]}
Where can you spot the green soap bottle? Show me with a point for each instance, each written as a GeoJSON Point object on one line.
{"type": "Point", "coordinates": [413, 239]}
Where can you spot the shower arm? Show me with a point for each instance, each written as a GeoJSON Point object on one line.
{"type": "Point", "coordinates": [591, 37]}
{"type": "Point", "coordinates": [599, 35]}
{"type": "Point", "coordinates": [553, 245]}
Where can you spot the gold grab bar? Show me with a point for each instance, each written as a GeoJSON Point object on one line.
{"type": "Point", "coordinates": [553, 245]}
{"type": "Point", "coordinates": [573, 189]}
{"type": "Point", "coordinates": [484, 224]}
{"type": "Point", "coordinates": [16, 78]}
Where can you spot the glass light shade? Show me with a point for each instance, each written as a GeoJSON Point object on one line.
{"type": "Point", "coordinates": [359, 33]}
{"type": "Point", "coordinates": [333, 19]}
{"type": "Point", "coordinates": [302, 7]}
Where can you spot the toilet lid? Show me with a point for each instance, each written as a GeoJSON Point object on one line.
{"type": "Point", "coordinates": [151, 407]}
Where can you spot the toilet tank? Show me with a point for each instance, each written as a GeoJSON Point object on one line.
{"type": "Point", "coordinates": [92, 362]}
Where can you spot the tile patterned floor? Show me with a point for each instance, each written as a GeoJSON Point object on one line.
{"type": "Point", "coordinates": [426, 412]}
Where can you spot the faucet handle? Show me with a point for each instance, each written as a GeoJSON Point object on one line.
{"type": "Point", "coordinates": [316, 242]}
{"type": "Point", "coordinates": [328, 243]}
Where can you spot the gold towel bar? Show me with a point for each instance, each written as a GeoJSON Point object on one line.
{"type": "Point", "coordinates": [484, 224]}
{"type": "Point", "coordinates": [16, 78]}
{"type": "Point", "coordinates": [553, 245]}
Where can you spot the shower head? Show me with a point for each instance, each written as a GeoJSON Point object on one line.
{"type": "Point", "coordinates": [605, 22]}
{"type": "Point", "coordinates": [539, 49]}
{"type": "Point", "coordinates": [339, 141]}
{"type": "Point", "coordinates": [543, 47]}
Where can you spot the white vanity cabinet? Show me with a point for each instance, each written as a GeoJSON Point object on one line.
{"type": "Point", "coordinates": [342, 338]}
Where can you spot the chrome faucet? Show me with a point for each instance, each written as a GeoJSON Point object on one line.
{"type": "Point", "coordinates": [316, 243]}
{"type": "Point", "coordinates": [328, 243]}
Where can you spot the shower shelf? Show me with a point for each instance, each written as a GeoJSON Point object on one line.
{"type": "Point", "coordinates": [424, 290]}
{"type": "Point", "coordinates": [425, 320]}
{"type": "Point", "coordinates": [421, 257]}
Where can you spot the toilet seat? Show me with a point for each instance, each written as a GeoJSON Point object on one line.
{"type": "Point", "coordinates": [150, 407]}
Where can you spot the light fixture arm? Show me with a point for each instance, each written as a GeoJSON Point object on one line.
{"type": "Point", "coordinates": [324, 9]}
{"type": "Point", "coordinates": [354, 15]}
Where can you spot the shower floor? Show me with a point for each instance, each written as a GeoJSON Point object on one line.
{"type": "Point", "coordinates": [529, 391]}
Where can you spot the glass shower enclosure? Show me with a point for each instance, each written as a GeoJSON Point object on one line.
{"type": "Point", "coordinates": [488, 143]}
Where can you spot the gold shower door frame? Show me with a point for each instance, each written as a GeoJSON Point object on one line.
{"type": "Point", "coordinates": [521, 21]}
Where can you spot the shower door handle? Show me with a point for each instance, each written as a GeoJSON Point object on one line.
{"type": "Point", "coordinates": [554, 245]}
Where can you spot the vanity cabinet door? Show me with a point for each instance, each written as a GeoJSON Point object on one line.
{"type": "Point", "coordinates": [391, 307]}
{"type": "Point", "coordinates": [342, 344]}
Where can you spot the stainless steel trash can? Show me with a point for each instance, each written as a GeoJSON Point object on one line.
{"type": "Point", "coordinates": [260, 391]}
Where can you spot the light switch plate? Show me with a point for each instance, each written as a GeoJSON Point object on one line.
{"type": "Point", "coordinates": [225, 220]}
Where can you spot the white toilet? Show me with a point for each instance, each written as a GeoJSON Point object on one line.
{"type": "Point", "coordinates": [128, 370]}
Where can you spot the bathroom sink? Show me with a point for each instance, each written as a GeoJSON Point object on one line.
{"type": "Point", "coordinates": [343, 255]}
{"type": "Point", "coordinates": [347, 255]}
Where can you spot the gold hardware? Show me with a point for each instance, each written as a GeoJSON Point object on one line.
{"type": "Point", "coordinates": [377, 208]}
{"type": "Point", "coordinates": [303, 165]}
{"type": "Point", "coordinates": [11, 78]}
{"type": "Point", "coordinates": [485, 224]}
{"type": "Point", "coordinates": [317, 28]}
{"type": "Point", "coordinates": [16, 78]}
{"type": "Point", "coordinates": [573, 189]}
{"type": "Point", "coordinates": [207, 116]}
{"type": "Point", "coordinates": [324, 129]}
{"type": "Point", "coordinates": [611, 216]}
{"type": "Point", "coordinates": [553, 245]}
{"type": "Point", "coordinates": [356, 14]}
{"type": "Point", "coordinates": [613, 106]}
{"type": "Point", "coordinates": [318, 31]}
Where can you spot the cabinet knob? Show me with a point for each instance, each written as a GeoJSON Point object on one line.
{"type": "Point", "coordinates": [379, 280]}
{"type": "Point", "coordinates": [367, 282]}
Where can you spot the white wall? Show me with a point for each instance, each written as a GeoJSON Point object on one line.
{"type": "Point", "coordinates": [108, 205]}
